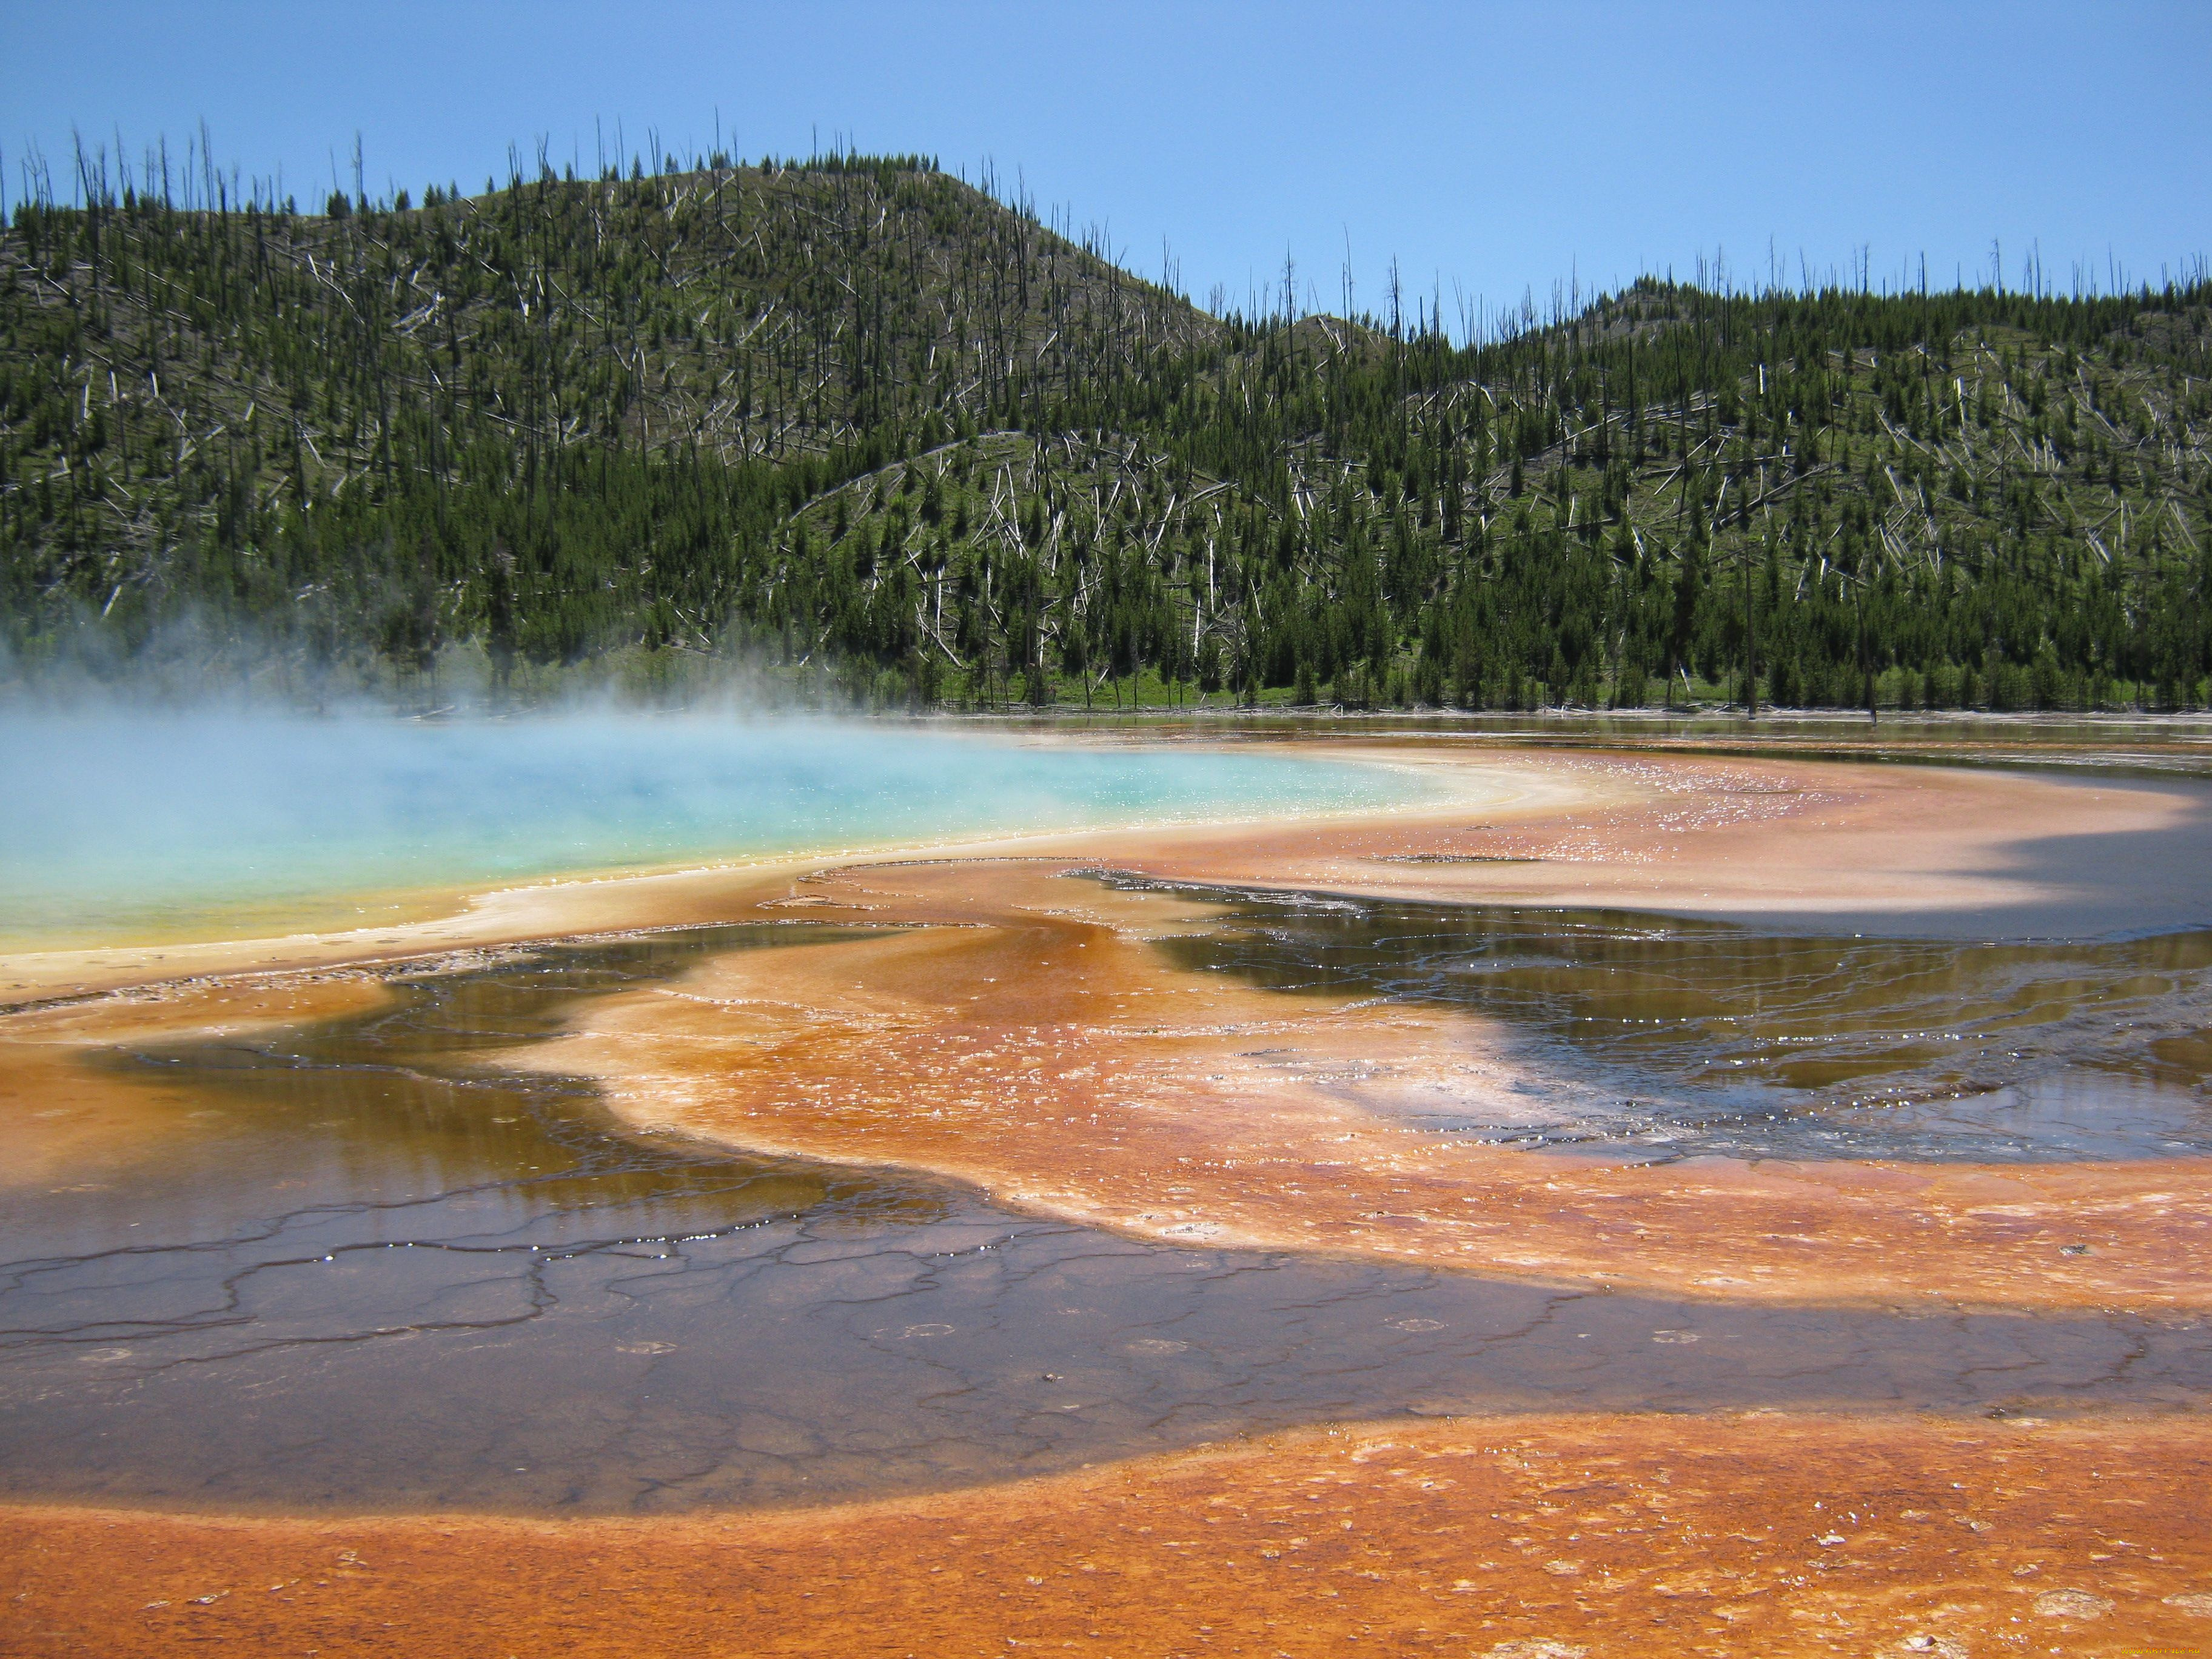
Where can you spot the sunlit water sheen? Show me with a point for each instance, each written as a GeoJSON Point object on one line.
{"type": "Point", "coordinates": [382, 1272]}
{"type": "Point", "coordinates": [116, 827]}
{"type": "Point", "coordinates": [1659, 1037]}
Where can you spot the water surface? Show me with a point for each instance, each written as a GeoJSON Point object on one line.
{"type": "Point", "coordinates": [207, 824]}
{"type": "Point", "coordinates": [1667, 1037]}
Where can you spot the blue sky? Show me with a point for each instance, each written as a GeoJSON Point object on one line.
{"type": "Point", "coordinates": [1490, 149]}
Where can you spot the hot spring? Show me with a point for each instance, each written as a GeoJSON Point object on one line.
{"type": "Point", "coordinates": [129, 828]}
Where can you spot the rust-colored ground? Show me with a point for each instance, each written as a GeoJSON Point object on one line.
{"type": "Point", "coordinates": [61, 1121]}
{"type": "Point", "coordinates": [1527, 1539]}
{"type": "Point", "coordinates": [1028, 1038]}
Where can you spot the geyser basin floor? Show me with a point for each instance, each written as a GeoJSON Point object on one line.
{"type": "Point", "coordinates": [1529, 1538]}
{"type": "Point", "coordinates": [1655, 1533]}
{"type": "Point", "coordinates": [1066, 1044]}
{"type": "Point", "coordinates": [382, 1273]}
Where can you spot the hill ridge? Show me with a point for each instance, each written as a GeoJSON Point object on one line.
{"type": "Point", "coordinates": [661, 415]}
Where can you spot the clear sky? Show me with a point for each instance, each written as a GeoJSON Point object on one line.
{"type": "Point", "coordinates": [1490, 149]}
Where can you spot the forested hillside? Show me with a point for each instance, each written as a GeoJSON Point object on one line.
{"type": "Point", "coordinates": [863, 423]}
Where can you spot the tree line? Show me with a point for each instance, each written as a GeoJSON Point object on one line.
{"type": "Point", "coordinates": [859, 420]}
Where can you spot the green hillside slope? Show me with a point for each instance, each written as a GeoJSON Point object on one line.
{"type": "Point", "coordinates": [856, 419]}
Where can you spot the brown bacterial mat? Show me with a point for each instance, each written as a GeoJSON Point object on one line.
{"type": "Point", "coordinates": [1583, 1537]}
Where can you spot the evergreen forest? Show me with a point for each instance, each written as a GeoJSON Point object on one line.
{"type": "Point", "coordinates": [876, 431]}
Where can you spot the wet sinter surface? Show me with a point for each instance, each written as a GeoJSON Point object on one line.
{"type": "Point", "coordinates": [1655, 1036]}
{"type": "Point", "coordinates": [385, 1274]}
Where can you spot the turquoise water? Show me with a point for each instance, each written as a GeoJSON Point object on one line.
{"type": "Point", "coordinates": [115, 827]}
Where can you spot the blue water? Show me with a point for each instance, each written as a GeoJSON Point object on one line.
{"type": "Point", "coordinates": [117, 827]}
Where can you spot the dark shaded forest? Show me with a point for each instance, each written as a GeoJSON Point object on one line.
{"type": "Point", "coordinates": [870, 427]}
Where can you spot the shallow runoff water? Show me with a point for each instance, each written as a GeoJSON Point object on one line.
{"type": "Point", "coordinates": [122, 827]}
